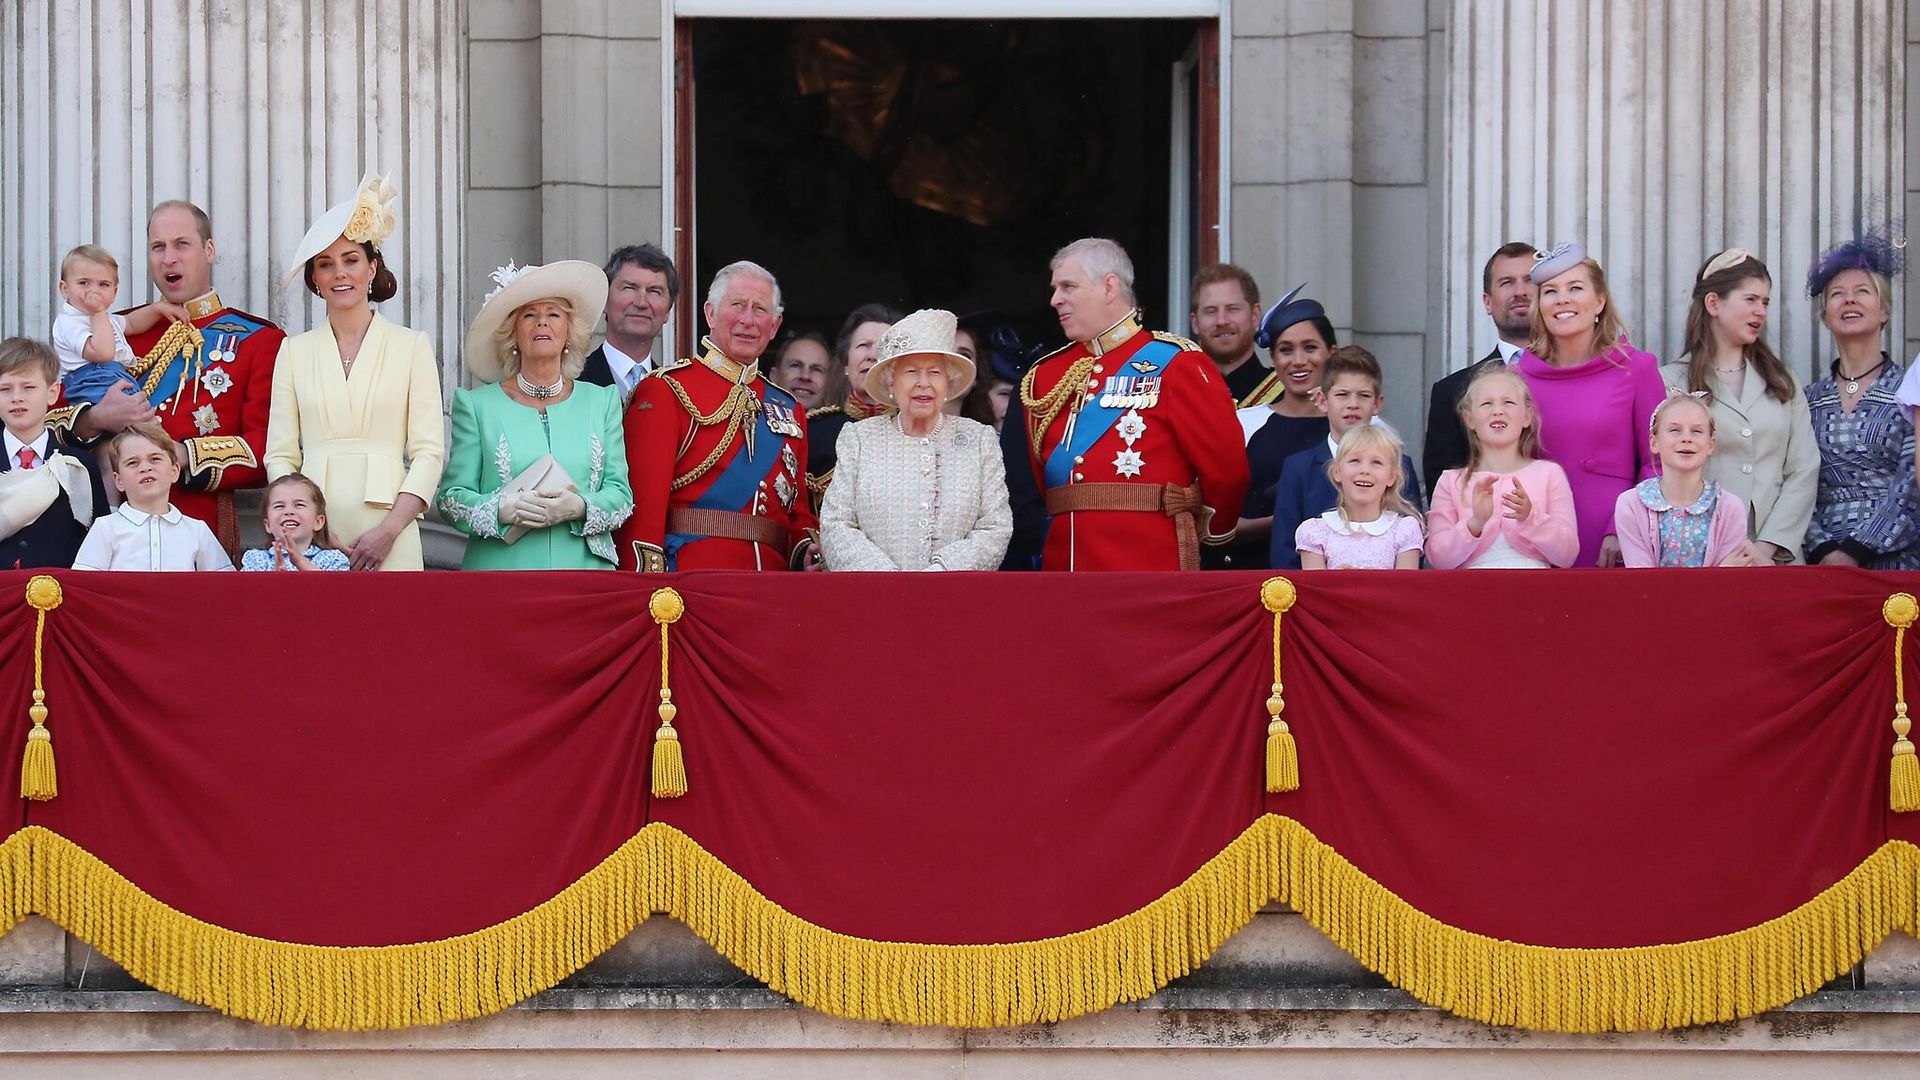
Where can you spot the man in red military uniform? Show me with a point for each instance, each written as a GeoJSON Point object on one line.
{"type": "Point", "coordinates": [1134, 438]}
{"type": "Point", "coordinates": [209, 386]}
{"type": "Point", "coordinates": [716, 454]}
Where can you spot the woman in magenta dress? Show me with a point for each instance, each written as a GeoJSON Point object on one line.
{"type": "Point", "coordinates": [1595, 393]}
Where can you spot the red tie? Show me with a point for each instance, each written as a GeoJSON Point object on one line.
{"type": "Point", "coordinates": [27, 457]}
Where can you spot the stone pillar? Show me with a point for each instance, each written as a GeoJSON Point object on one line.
{"type": "Point", "coordinates": [568, 114]}
{"type": "Point", "coordinates": [1333, 163]}
{"type": "Point", "coordinates": [263, 113]}
{"type": "Point", "coordinates": [1659, 134]}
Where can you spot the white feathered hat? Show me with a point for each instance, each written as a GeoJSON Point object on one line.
{"type": "Point", "coordinates": [367, 218]}
{"type": "Point", "coordinates": [581, 284]}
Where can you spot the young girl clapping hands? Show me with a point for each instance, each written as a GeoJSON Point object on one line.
{"type": "Point", "coordinates": [1680, 518]}
{"type": "Point", "coordinates": [1373, 527]}
{"type": "Point", "coordinates": [296, 521]}
{"type": "Point", "coordinates": [1509, 508]}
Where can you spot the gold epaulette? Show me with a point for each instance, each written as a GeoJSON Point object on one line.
{"type": "Point", "coordinates": [825, 410]}
{"type": "Point", "coordinates": [62, 418]}
{"type": "Point", "coordinates": [673, 365]}
{"type": "Point", "coordinates": [214, 454]}
{"type": "Point", "coordinates": [1185, 344]}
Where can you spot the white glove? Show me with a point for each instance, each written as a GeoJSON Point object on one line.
{"type": "Point", "coordinates": [566, 506]}
{"type": "Point", "coordinates": [513, 506]}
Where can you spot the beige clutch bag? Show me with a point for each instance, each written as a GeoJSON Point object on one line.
{"type": "Point", "coordinates": [545, 477]}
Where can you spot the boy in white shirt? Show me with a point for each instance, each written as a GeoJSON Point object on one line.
{"type": "Point", "coordinates": [90, 341]}
{"type": "Point", "coordinates": [146, 532]}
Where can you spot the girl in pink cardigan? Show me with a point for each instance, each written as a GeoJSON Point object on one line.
{"type": "Point", "coordinates": [1680, 518]}
{"type": "Point", "coordinates": [1508, 509]}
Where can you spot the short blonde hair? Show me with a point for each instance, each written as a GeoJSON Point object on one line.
{"type": "Point", "coordinates": [91, 253]}
{"type": "Point", "coordinates": [572, 360]}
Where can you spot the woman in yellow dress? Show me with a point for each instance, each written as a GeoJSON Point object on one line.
{"type": "Point", "coordinates": [356, 400]}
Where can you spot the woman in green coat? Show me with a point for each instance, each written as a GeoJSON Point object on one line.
{"type": "Point", "coordinates": [536, 474]}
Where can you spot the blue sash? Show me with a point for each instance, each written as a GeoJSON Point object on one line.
{"type": "Point", "coordinates": [1096, 419]}
{"type": "Point", "coordinates": [739, 479]}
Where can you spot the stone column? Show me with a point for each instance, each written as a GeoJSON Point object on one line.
{"type": "Point", "coordinates": [1659, 134]}
{"type": "Point", "coordinates": [568, 115]}
{"type": "Point", "coordinates": [263, 113]}
{"type": "Point", "coordinates": [1333, 164]}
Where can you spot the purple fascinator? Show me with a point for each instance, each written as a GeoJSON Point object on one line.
{"type": "Point", "coordinates": [1875, 248]}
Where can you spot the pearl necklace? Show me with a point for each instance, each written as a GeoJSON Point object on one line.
{"type": "Point", "coordinates": [538, 392]}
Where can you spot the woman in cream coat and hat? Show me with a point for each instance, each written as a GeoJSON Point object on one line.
{"type": "Point", "coordinates": [356, 400]}
{"type": "Point", "coordinates": [537, 471]}
{"type": "Point", "coordinates": [917, 489]}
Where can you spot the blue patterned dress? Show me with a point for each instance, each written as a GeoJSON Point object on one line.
{"type": "Point", "coordinates": [1867, 504]}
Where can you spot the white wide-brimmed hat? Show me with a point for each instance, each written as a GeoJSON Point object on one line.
{"type": "Point", "coordinates": [367, 218]}
{"type": "Point", "coordinates": [581, 284]}
{"type": "Point", "coordinates": [927, 332]}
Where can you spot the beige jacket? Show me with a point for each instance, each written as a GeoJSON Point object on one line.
{"type": "Point", "coordinates": [900, 503]}
{"type": "Point", "coordinates": [365, 438]}
{"type": "Point", "coordinates": [1763, 451]}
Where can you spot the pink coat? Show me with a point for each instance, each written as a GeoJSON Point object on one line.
{"type": "Point", "coordinates": [1639, 529]}
{"type": "Point", "coordinates": [1549, 534]}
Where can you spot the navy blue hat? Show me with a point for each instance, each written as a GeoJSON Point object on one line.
{"type": "Point", "coordinates": [1284, 314]}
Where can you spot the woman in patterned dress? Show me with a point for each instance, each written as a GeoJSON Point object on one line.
{"type": "Point", "coordinates": [1867, 510]}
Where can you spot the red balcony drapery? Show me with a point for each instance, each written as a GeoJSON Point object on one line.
{"type": "Point", "coordinates": [353, 801]}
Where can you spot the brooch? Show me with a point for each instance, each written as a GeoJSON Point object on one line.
{"type": "Point", "coordinates": [205, 420]}
{"type": "Point", "coordinates": [215, 380]}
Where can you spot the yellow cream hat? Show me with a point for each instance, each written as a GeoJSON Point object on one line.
{"type": "Point", "coordinates": [367, 218]}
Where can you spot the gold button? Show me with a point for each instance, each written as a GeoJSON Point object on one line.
{"type": "Point", "coordinates": [1077, 476]}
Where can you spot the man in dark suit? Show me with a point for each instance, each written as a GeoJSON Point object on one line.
{"type": "Point", "coordinates": [1508, 297]}
{"type": "Point", "coordinates": [642, 286]}
{"type": "Point", "coordinates": [50, 492]}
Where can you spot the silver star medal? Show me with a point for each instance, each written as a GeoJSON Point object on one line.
{"type": "Point", "coordinates": [1128, 462]}
{"type": "Point", "coordinates": [205, 420]}
{"type": "Point", "coordinates": [783, 488]}
{"type": "Point", "coordinates": [215, 381]}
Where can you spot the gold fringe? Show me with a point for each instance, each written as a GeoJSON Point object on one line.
{"type": "Point", "coordinates": [1027, 982]}
{"type": "Point", "coordinates": [1640, 988]}
{"type": "Point", "coordinates": [662, 869]}
{"type": "Point", "coordinates": [324, 987]}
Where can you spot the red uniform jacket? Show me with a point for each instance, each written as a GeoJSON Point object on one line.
{"type": "Point", "coordinates": [687, 447]}
{"type": "Point", "coordinates": [214, 401]}
{"type": "Point", "coordinates": [1177, 427]}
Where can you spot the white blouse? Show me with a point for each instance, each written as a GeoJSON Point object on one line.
{"type": "Point", "coordinates": [938, 502]}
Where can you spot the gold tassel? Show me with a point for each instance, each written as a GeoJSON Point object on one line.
{"type": "Point", "coordinates": [669, 768]}
{"type": "Point", "coordinates": [38, 780]}
{"type": "Point", "coordinates": [178, 338]}
{"type": "Point", "coordinates": [1903, 779]}
{"type": "Point", "coordinates": [1283, 759]}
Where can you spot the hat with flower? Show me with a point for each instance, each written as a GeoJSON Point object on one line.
{"type": "Point", "coordinates": [367, 218]}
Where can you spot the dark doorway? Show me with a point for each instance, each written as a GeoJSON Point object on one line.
{"type": "Point", "coordinates": [936, 163]}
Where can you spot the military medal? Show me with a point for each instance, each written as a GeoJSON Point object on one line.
{"type": "Point", "coordinates": [783, 487]}
{"type": "Point", "coordinates": [1128, 462]}
{"type": "Point", "coordinates": [216, 381]}
{"type": "Point", "coordinates": [789, 460]}
{"type": "Point", "coordinates": [205, 420]}
{"type": "Point", "coordinates": [1131, 427]}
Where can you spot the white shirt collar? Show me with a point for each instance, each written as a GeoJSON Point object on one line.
{"type": "Point", "coordinates": [69, 309]}
{"type": "Point", "coordinates": [39, 446]}
{"type": "Point", "coordinates": [1507, 351]}
{"type": "Point", "coordinates": [1377, 527]}
{"type": "Point", "coordinates": [140, 517]}
{"type": "Point", "coordinates": [620, 363]}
